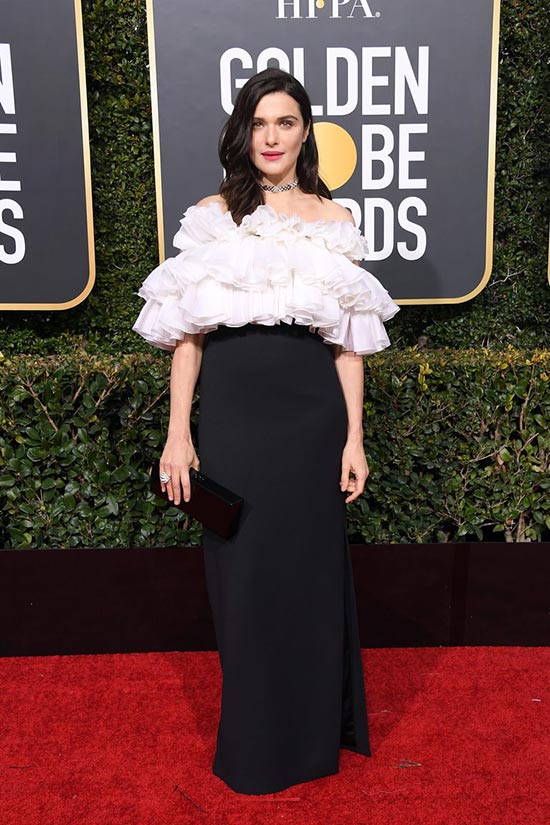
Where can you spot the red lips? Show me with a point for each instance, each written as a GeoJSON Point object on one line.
{"type": "Point", "coordinates": [272, 154]}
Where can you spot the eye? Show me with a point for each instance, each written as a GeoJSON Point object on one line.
{"type": "Point", "coordinates": [287, 122]}
{"type": "Point", "coordinates": [256, 123]}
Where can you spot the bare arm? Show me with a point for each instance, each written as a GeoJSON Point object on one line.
{"type": "Point", "coordinates": [351, 370]}
{"type": "Point", "coordinates": [179, 453]}
{"type": "Point", "coordinates": [351, 374]}
{"type": "Point", "coordinates": [186, 364]}
{"type": "Point", "coordinates": [349, 367]}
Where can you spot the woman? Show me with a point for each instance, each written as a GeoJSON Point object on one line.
{"type": "Point", "coordinates": [265, 309]}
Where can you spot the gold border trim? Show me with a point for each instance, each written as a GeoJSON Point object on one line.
{"type": "Point", "coordinates": [87, 176]}
{"type": "Point", "coordinates": [489, 231]}
{"type": "Point", "coordinates": [156, 126]}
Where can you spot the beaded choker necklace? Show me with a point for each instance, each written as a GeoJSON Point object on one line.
{"type": "Point", "coordinates": [284, 188]}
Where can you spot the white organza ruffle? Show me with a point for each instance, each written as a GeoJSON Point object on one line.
{"type": "Point", "coordinates": [268, 270]}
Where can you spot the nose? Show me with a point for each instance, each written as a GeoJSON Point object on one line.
{"type": "Point", "coordinates": [271, 137]}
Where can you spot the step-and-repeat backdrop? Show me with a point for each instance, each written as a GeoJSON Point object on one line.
{"type": "Point", "coordinates": [404, 99]}
{"type": "Point", "coordinates": [46, 221]}
{"type": "Point", "coordinates": [404, 103]}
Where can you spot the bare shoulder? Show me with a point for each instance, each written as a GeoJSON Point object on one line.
{"type": "Point", "coordinates": [336, 212]}
{"type": "Point", "coordinates": [213, 199]}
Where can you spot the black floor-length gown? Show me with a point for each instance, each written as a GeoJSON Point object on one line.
{"type": "Point", "coordinates": [272, 427]}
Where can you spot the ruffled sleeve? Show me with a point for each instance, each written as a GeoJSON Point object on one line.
{"type": "Point", "coordinates": [268, 270]}
{"type": "Point", "coordinates": [163, 320]}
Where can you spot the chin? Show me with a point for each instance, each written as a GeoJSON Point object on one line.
{"type": "Point", "coordinates": [274, 166]}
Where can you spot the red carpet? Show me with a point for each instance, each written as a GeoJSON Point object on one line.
{"type": "Point", "coordinates": [460, 736]}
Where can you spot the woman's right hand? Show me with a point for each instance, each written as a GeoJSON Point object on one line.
{"type": "Point", "coordinates": [178, 456]}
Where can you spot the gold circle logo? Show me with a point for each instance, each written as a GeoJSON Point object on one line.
{"type": "Point", "coordinates": [337, 153]}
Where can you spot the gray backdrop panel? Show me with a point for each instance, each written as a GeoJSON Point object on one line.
{"type": "Point", "coordinates": [190, 40]}
{"type": "Point", "coordinates": [49, 148]}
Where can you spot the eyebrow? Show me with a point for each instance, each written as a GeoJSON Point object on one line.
{"type": "Point", "coordinates": [283, 117]}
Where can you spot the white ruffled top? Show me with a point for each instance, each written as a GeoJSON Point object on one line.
{"type": "Point", "coordinates": [268, 269]}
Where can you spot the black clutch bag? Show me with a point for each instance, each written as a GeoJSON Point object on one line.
{"type": "Point", "coordinates": [216, 507]}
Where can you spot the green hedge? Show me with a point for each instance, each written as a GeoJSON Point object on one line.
{"type": "Point", "coordinates": [507, 311]}
{"type": "Point", "coordinates": [456, 438]}
{"type": "Point", "coordinates": [457, 443]}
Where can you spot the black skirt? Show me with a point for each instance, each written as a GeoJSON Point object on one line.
{"type": "Point", "coordinates": [272, 427]}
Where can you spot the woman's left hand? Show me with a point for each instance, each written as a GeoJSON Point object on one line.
{"type": "Point", "coordinates": [354, 461]}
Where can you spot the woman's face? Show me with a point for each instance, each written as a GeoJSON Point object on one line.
{"type": "Point", "coordinates": [277, 136]}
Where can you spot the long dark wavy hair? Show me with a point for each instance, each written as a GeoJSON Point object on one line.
{"type": "Point", "coordinates": [241, 188]}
